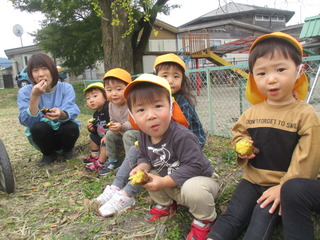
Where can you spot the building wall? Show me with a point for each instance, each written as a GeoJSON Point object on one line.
{"type": "Point", "coordinates": [162, 34]}
{"type": "Point", "coordinates": [162, 46]}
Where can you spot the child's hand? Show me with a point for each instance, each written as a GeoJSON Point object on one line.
{"type": "Point", "coordinates": [135, 170]}
{"type": "Point", "coordinates": [245, 149]}
{"type": "Point", "coordinates": [142, 166]}
{"type": "Point", "coordinates": [90, 127]}
{"type": "Point", "coordinates": [103, 140]}
{"type": "Point", "coordinates": [269, 196]}
{"type": "Point", "coordinates": [115, 127]}
{"type": "Point", "coordinates": [245, 157]}
{"type": "Point", "coordinates": [155, 183]}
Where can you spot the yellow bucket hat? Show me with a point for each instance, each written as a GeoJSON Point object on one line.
{"type": "Point", "coordinates": [170, 57]}
{"type": "Point", "coordinates": [94, 85]}
{"type": "Point", "coordinates": [253, 94]}
{"type": "Point", "coordinates": [177, 113]}
{"type": "Point", "coordinates": [120, 74]}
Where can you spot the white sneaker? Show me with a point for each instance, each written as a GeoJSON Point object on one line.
{"type": "Point", "coordinates": [116, 204]}
{"type": "Point", "coordinates": [104, 197]}
{"type": "Point", "coordinates": [107, 194]}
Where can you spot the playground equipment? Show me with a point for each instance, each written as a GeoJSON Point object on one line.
{"type": "Point", "coordinates": [7, 182]}
{"type": "Point", "coordinates": [197, 45]}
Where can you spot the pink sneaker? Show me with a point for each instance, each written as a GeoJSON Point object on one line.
{"type": "Point", "coordinates": [95, 167]}
{"type": "Point", "coordinates": [199, 229]}
{"type": "Point", "coordinates": [90, 160]}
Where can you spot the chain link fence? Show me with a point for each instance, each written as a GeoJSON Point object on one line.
{"type": "Point", "coordinates": [221, 96]}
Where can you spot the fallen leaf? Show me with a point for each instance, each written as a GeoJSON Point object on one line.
{"type": "Point", "coordinates": [64, 220]}
{"type": "Point", "coordinates": [49, 210]}
{"type": "Point", "coordinates": [46, 184]}
{"type": "Point", "coordinates": [74, 215]}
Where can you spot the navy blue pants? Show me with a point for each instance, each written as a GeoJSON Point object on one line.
{"type": "Point", "coordinates": [244, 211]}
{"type": "Point", "coordinates": [300, 197]}
{"type": "Point", "coordinates": [50, 141]}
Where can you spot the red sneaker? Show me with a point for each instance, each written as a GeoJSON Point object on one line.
{"type": "Point", "coordinates": [160, 211]}
{"type": "Point", "coordinates": [199, 229]}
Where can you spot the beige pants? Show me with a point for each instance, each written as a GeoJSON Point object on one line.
{"type": "Point", "coordinates": [197, 193]}
{"type": "Point", "coordinates": [114, 140]}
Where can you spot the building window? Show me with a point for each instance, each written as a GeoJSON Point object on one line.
{"type": "Point", "coordinates": [277, 19]}
{"type": "Point", "coordinates": [259, 17]}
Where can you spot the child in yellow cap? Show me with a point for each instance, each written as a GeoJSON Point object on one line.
{"type": "Point", "coordinates": [177, 174]}
{"type": "Point", "coordinates": [282, 126]}
{"type": "Point", "coordinates": [172, 68]}
{"type": "Point", "coordinates": [121, 132]}
{"type": "Point", "coordinates": [96, 99]}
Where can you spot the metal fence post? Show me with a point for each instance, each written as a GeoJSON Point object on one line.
{"type": "Point", "coordinates": [240, 95]}
{"type": "Point", "coordinates": [210, 105]}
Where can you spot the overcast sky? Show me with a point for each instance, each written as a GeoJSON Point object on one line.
{"type": "Point", "coordinates": [189, 10]}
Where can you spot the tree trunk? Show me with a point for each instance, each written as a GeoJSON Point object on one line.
{"type": "Point", "coordinates": [117, 49]}
{"type": "Point", "coordinates": [139, 48]}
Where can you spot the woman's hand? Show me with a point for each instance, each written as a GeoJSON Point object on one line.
{"type": "Point", "coordinates": [56, 114]}
{"type": "Point", "coordinates": [39, 88]}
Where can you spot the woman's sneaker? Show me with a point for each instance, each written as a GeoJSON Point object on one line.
{"type": "Point", "coordinates": [90, 160]}
{"type": "Point", "coordinates": [47, 159]}
{"type": "Point", "coordinates": [160, 211]}
{"type": "Point", "coordinates": [119, 202]}
{"type": "Point", "coordinates": [104, 197]}
{"type": "Point", "coordinates": [95, 167]}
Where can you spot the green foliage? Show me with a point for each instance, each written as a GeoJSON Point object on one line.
{"type": "Point", "coordinates": [229, 156]}
{"type": "Point", "coordinates": [174, 232]}
{"type": "Point", "coordinates": [72, 30]}
{"type": "Point", "coordinates": [225, 195]}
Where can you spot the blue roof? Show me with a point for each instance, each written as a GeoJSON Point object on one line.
{"type": "Point", "coordinates": [311, 27]}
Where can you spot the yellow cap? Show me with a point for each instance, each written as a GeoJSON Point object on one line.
{"type": "Point", "coordinates": [253, 94]}
{"type": "Point", "coordinates": [294, 42]}
{"type": "Point", "coordinates": [177, 114]}
{"type": "Point", "coordinates": [94, 85]}
{"type": "Point", "coordinates": [170, 57]}
{"type": "Point", "coordinates": [120, 74]}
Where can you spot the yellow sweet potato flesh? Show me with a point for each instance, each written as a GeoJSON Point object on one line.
{"type": "Point", "coordinates": [244, 147]}
{"type": "Point", "coordinates": [139, 178]}
{"type": "Point", "coordinates": [109, 124]}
